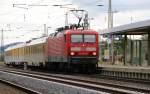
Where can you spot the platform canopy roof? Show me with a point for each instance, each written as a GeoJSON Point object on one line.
{"type": "Point", "coordinates": [137, 28]}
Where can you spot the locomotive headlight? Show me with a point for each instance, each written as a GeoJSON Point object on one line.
{"type": "Point", "coordinates": [72, 53]}
{"type": "Point", "coordinates": [94, 53]}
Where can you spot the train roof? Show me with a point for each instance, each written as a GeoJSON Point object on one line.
{"type": "Point", "coordinates": [28, 43]}
{"type": "Point", "coordinates": [78, 31]}
{"type": "Point", "coordinates": [36, 41]}
{"type": "Point", "coordinates": [15, 46]}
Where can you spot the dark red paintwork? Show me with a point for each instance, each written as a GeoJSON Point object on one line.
{"type": "Point", "coordinates": [60, 45]}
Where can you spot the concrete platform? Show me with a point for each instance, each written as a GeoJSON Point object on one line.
{"type": "Point", "coordinates": [125, 71]}
{"type": "Point", "coordinates": [138, 69]}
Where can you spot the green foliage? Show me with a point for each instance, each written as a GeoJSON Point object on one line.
{"type": "Point", "coordinates": [118, 47]}
{"type": "Point", "coordinates": [1, 58]}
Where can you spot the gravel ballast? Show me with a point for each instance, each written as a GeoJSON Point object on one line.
{"type": "Point", "coordinates": [45, 87]}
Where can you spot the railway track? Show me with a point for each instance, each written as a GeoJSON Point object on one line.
{"type": "Point", "coordinates": [24, 89]}
{"type": "Point", "coordinates": [142, 75]}
{"type": "Point", "coordinates": [84, 83]}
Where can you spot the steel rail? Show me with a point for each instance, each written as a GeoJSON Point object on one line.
{"type": "Point", "coordinates": [99, 86]}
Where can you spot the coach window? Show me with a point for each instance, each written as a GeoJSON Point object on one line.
{"type": "Point", "coordinates": [42, 47]}
{"type": "Point", "coordinates": [76, 38]}
{"type": "Point", "coordinates": [89, 38]}
{"type": "Point", "coordinates": [33, 49]}
{"type": "Point", "coordinates": [29, 50]}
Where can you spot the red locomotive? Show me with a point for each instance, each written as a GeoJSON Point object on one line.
{"type": "Point", "coordinates": [73, 48]}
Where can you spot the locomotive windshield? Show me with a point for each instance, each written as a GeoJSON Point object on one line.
{"type": "Point", "coordinates": [83, 38]}
{"type": "Point", "coordinates": [89, 38]}
{"type": "Point", "coordinates": [76, 38]}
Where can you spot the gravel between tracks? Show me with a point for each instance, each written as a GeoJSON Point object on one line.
{"type": "Point", "coordinates": [99, 79]}
{"type": "Point", "coordinates": [46, 87]}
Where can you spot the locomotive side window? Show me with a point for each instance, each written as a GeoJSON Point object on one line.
{"type": "Point", "coordinates": [76, 38]}
{"type": "Point", "coordinates": [89, 38]}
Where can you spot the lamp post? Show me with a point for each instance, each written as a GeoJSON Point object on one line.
{"type": "Point", "coordinates": [110, 16]}
{"type": "Point", "coordinates": [110, 25]}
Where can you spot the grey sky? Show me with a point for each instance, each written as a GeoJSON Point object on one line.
{"type": "Point", "coordinates": [23, 22]}
{"type": "Point", "coordinates": [117, 5]}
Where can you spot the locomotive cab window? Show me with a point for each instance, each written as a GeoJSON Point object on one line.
{"type": "Point", "coordinates": [76, 38]}
{"type": "Point", "coordinates": [89, 38]}
{"type": "Point", "coordinates": [83, 38]}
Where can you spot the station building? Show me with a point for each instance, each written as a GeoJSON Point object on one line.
{"type": "Point", "coordinates": [126, 45]}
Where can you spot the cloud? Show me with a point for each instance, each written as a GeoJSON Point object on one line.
{"type": "Point", "coordinates": [117, 5]}
{"type": "Point", "coordinates": [120, 18]}
{"type": "Point", "coordinates": [22, 21]}
{"type": "Point", "coordinates": [131, 16]}
{"type": "Point", "coordinates": [35, 17]}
